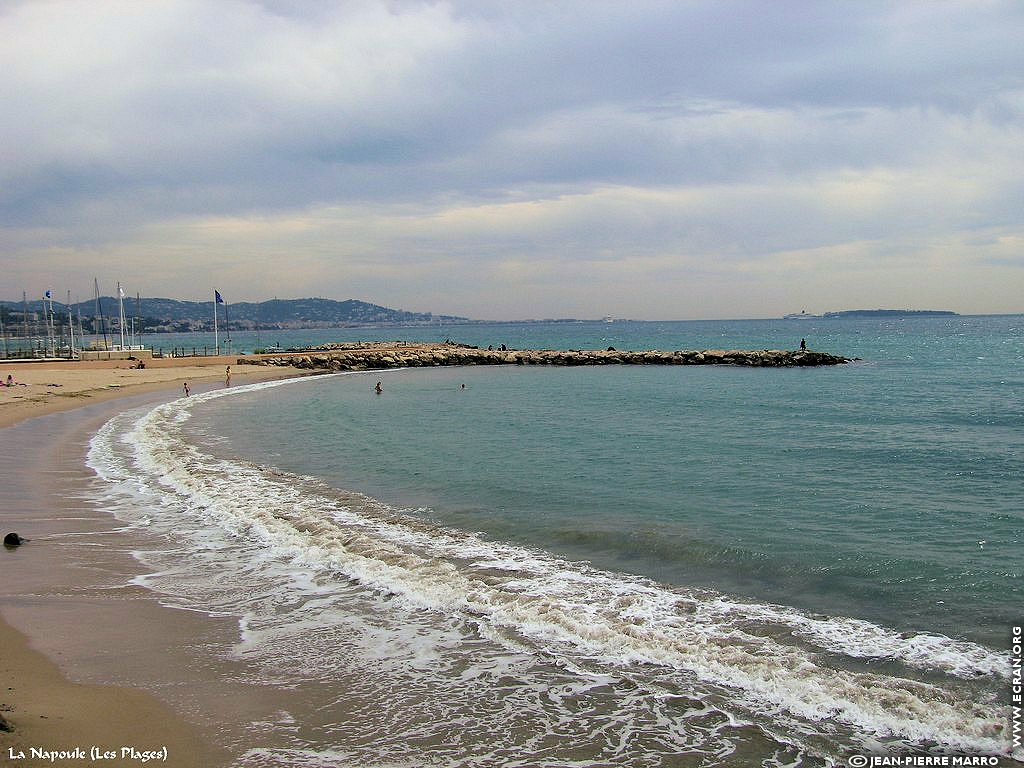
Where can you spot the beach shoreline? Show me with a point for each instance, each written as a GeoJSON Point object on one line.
{"type": "Point", "coordinates": [45, 704]}
{"type": "Point", "coordinates": [223, 669]}
{"type": "Point", "coordinates": [48, 387]}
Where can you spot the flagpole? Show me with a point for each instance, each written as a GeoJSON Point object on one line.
{"type": "Point", "coordinates": [48, 311]}
{"type": "Point", "coordinates": [216, 338]}
{"type": "Point", "coordinates": [120, 309]}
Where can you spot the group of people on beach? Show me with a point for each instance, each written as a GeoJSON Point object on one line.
{"type": "Point", "coordinates": [227, 381]}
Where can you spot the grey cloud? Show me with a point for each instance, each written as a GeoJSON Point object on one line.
{"type": "Point", "coordinates": [209, 112]}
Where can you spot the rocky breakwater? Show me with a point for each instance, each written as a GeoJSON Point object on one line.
{"type": "Point", "coordinates": [366, 357]}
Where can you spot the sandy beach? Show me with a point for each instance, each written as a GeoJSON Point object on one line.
{"type": "Point", "coordinates": [45, 636]}
{"type": "Point", "coordinates": [49, 387]}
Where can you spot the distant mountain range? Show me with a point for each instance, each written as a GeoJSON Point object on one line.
{"type": "Point", "coordinates": [873, 313]}
{"type": "Point", "coordinates": [173, 315]}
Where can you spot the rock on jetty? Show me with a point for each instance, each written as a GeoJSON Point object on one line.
{"type": "Point", "coordinates": [380, 355]}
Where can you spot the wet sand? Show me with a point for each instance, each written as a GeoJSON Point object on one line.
{"type": "Point", "coordinates": [77, 641]}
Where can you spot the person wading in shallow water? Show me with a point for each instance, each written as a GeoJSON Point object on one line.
{"type": "Point", "coordinates": [379, 388]}
{"type": "Point", "coordinates": [185, 387]}
{"type": "Point", "coordinates": [227, 377]}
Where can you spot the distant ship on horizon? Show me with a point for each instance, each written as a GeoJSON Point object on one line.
{"type": "Point", "coordinates": [801, 315]}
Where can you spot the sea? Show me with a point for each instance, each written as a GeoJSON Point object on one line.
{"type": "Point", "coordinates": [602, 566]}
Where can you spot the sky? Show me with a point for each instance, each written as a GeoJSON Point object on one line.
{"type": "Point", "coordinates": [518, 159]}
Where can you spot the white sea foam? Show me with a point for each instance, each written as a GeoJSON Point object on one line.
{"type": "Point", "coordinates": [246, 531]}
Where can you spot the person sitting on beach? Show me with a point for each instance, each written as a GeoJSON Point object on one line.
{"type": "Point", "coordinates": [10, 380]}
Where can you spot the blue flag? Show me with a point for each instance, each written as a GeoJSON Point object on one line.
{"type": "Point", "coordinates": [47, 294]}
{"type": "Point", "coordinates": [216, 293]}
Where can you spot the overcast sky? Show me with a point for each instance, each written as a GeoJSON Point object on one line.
{"type": "Point", "coordinates": [506, 159]}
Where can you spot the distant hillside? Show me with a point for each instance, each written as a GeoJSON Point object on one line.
{"type": "Point", "coordinates": [892, 313]}
{"type": "Point", "coordinates": [173, 315]}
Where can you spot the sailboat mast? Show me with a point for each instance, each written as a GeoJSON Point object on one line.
{"type": "Point", "coordinates": [3, 330]}
{"type": "Point", "coordinates": [24, 317]}
{"type": "Point", "coordinates": [99, 312]}
{"type": "Point", "coordinates": [81, 330]}
{"type": "Point", "coordinates": [71, 329]}
{"type": "Point", "coordinates": [216, 338]}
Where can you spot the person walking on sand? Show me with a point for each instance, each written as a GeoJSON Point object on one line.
{"type": "Point", "coordinates": [187, 392]}
{"type": "Point", "coordinates": [227, 377]}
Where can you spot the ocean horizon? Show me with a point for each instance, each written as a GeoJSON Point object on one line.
{"type": "Point", "coordinates": [518, 332]}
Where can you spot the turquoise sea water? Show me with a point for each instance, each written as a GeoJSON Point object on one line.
{"type": "Point", "coordinates": [783, 566]}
